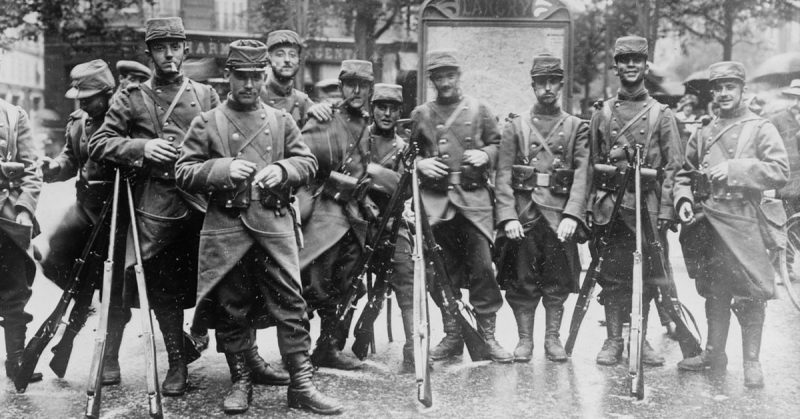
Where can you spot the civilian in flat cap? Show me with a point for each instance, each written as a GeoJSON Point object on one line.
{"type": "Point", "coordinates": [21, 182]}
{"type": "Point", "coordinates": [92, 86]}
{"type": "Point", "coordinates": [132, 72]}
{"type": "Point", "coordinates": [730, 233]}
{"type": "Point", "coordinates": [336, 230]}
{"type": "Point", "coordinates": [542, 186]}
{"type": "Point", "coordinates": [629, 119]}
{"type": "Point", "coordinates": [249, 157]}
{"type": "Point", "coordinates": [458, 139]}
{"type": "Point", "coordinates": [142, 132]}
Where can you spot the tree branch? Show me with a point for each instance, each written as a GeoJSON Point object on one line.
{"type": "Point", "coordinates": [389, 22]}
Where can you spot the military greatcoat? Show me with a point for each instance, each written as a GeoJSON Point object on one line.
{"type": "Point", "coordinates": [729, 218]}
{"type": "Point", "coordinates": [291, 100]}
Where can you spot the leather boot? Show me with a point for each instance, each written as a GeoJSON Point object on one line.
{"type": "Point", "coordinates": [408, 328]}
{"type": "Point", "coordinates": [116, 328]}
{"type": "Point", "coordinates": [751, 317]}
{"type": "Point", "coordinates": [612, 349]}
{"type": "Point", "coordinates": [552, 345]}
{"type": "Point", "coordinates": [171, 324]}
{"type": "Point", "coordinates": [524, 350]}
{"type": "Point", "coordinates": [452, 344]}
{"type": "Point", "coordinates": [262, 373]}
{"type": "Point", "coordinates": [486, 327]}
{"type": "Point", "coordinates": [302, 393]}
{"type": "Point", "coordinates": [15, 346]}
{"type": "Point", "coordinates": [327, 352]}
{"type": "Point", "coordinates": [237, 399]}
{"type": "Point", "coordinates": [718, 315]}
{"type": "Point", "coordinates": [649, 355]}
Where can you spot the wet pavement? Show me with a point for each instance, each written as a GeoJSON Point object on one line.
{"type": "Point", "coordinates": [461, 388]}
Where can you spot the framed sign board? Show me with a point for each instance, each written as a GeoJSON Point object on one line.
{"type": "Point", "coordinates": [495, 42]}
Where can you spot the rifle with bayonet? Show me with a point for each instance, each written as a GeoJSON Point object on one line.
{"type": "Point", "coordinates": [420, 314]}
{"type": "Point", "coordinates": [636, 337]}
{"type": "Point", "coordinates": [81, 289]}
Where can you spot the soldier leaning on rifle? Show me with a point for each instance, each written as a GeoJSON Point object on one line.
{"type": "Point", "coordinates": [249, 157]}
{"type": "Point", "coordinates": [632, 118]}
{"type": "Point", "coordinates": [93, 86]}
{"type": "Point", "coordinates": [542, 184]}
{"type": "Point", "coordinates": [336, 214]}
{"type": "Point", "coordinates": [143, 131]}
{"type": "Point", "coordinates": [20, 184]}
{"type": "Point", "coordinates": [458, 139]}
{"type": "Point", "coordinates": [728, 228]}
{"type": "Point", "coordinates": [386, 151]}
{"type": "Point", "coordinates": [132, 72]}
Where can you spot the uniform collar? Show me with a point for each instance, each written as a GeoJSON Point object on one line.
{"type": "Point", "coordinates": [449, 101]}
{"type": "Point", "coordinates": [236, 106]}
{"type": "Point", "coordinates": [739, 112]}
{"type": "Point", "coordinates": [539, 109]}
{"type": "Point", "coordinates": [278, 89]}
{"type": "Point", "coordinates": [637, 96]}
{"type": "Point", "coordinates": [158, 81]}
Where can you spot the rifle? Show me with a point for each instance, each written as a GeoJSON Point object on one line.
{"type": "Point", "coordinates": [636, 337]}
{"type": "Point", "coordinates": [422, 329]}
{"type": "Point", "coordinates": [81, 290]}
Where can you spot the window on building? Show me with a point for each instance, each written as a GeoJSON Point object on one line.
{"type": "Point", "coordinates": [231, 15]}
{"type": "Point", "coordinates": [161, 8]}
{"type": "Point", "coordinates": [37, 103]}
{"type": "Point", "coordinates": [15, 99]}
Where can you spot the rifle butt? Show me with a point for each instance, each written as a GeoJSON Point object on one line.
{"type": "Point", "coordinates": [364, 333]}
{"type": "Point", "coordinates": [94, 389]}
{"type": "Point", "coordinates": [476, 346]}
{"type": "Point", "coordinates": [582, 304]}
{"type": "Point", "coordinates": [424, 394]}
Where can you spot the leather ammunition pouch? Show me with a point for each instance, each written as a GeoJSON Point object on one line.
{"type": "Point", "coordinates": [561, 181]}
{"type": "Point", "coordinates": [473, 177]}
{"type": "Point", "coordinates": [525, 178]}
{"type": "Point", "coordinates": [12, 172]}
{"type": "Point", "coordinates": [343, 188]}
{"type": "Point", "coordinates": [608, 177]}
{"type": "Point", "coordinates": [650, 180]}
{"type": "Point", "coordinates": [238, 198]}
{"type": "Point", "coordinates": [272, 198]}
{"type": "Point", "coordinates": [93, 190]}
{"type": "Point", "coordinates": [701, 185]}
{"type": "Point", "coordinates": [442, 184]}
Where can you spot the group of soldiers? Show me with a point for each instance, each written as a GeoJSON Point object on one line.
{"type": "Point", "coordinates": [256, 209]}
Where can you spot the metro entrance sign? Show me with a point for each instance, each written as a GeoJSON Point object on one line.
{"type": "Point", "coordinates": [495, 41]}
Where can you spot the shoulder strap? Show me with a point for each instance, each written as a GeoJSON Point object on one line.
{"type": "Point", "coordinates": [636, 117]}
{"type": "Point", "coordinates": [539, 137]}
{"type": "Point", "coordinates": [147, 89]}
{"type": "Point", "coordinates": [571, 124]}
{"type": "Point", "coordinates": [525, 131]}
{"type": "Point", "coordinates": [719, 135]}
{"type": "Point", "coordinates": [746, 136]}
{"type": "Point", "coordinates": [276, 125]}
{"type": "Point", "coordinates": [223, 129]}
{"type": "Point", "coordinates": [654, 116]}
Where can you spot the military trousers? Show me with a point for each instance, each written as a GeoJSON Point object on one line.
{"type": "Point", "coordinates": [257, 284]}
{"type": "Point", "coordinates": [325, 279]}
{"type": "Point", "coordinates": [616, 276]}
{"type": "Point", "coordinates": [15, 284]}
{"type": "Point", "coordinates": [468, 258]}
{"type": "Point", "coordinates": [402, 277]}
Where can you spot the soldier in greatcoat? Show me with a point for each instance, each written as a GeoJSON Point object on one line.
{"type": "Point", "coordinates": [458, 138]}
{"type": "Point", "coordinates": [630, 119]}
{"type": "Point", "coordinates": [248, 157]}
{"type": "Point", "coordinates": [285, 48]}
{"type": "Point", "coordinates": [20, 184]}
{"type": "Point", "coordinates": [787, 121]}
{"type": "Point", "coordinates": [336, 213]}
{"type": "Point", "coordinates": [93, 86]}
{"type": "Point", "coordinates": [542, 185]}
{"type": "Point", "coordinates": [142, 133]}
{"type": "Point", "coordinates": [729, 229]}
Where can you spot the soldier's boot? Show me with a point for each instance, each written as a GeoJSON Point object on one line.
{"type": "Point", "coordinates": [718, 315]}
{"type": "Point", "coordinates": [486, 327]}
{"type": "Point", "coordinates": [649, 355]}
{"type": "Point", "coordinates": [408, 328]}
{"type": "Point", "coordinates": [327, 353]}
{"type": "Point", "coordinates": [302, 393]}
{"type": "Point", "coordinates": [452, 344]}
{"type": "Point", "coordinates": [552, 345]}
{"type": "Point", "coordinates": [263, 373]}
{"type": "Point", "coordinates": [171, 323]}
{"type": "Point", "coordinates": [116, 328]}
{"type": "Point", "coordinates": [613, 346]}
{"type": "Point", "coordinates": [524, 350]}
{"type": "Point", "coordinates": [751, 318]}
{"type": "Point", "coordinates": [237, 399]}
{"type": "Point", "coordinates": [15, 346]}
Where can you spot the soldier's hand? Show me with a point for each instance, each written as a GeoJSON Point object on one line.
{"type": "Point", "coordinates": [408, 212]}
{"type": "Point", "coordinates": [664, 225]}
{"type": "Point", "coordinates": [160, 151]}
{"type": "Point", "coordinates": [50, 167]}
{"type": "Point", "coordinates": [719, 172]}
{"type": "Point", "coordinates": [686, 213]}
{"type": "Point", "coordinates": [432, 168]}
{"type": "Point", "coordinates": [322, 112]}
{"type": "Point", "coordinates": [240, 170]}
{"type": "Point", "coordinates": [476, 158]}
{"type": "Point", "coordinates": [514, 230]}
{"type": "Point", "coordinates": [24, 217]}
{"type": "Point", "coordinates": [566, 229]}
{"type": "Point", "coordinates": [269, 177]}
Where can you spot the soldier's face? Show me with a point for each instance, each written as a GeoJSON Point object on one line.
{"type": "Point", "coordinates": [727, 94]}
{"type": "Point", "coordinates": [167, 55]}
{"type": "Point", "coordinates": [355, 92]}
{"type": "Point", "coordinates": [285, 61]}
{"type": "Point", "coordinates": [631, 68]}
{"type": "Point", "coordinates": [385, 114]}
{"type": "Point", "coordinates": [446, 81]}
{"type": "Point", "coordinates": [245, 85]}
{"type": "Point", "coordinates": [127, 79]}
{"type": "Point", "coordinates": [96, 106]}
{"type": "Point", "coordinates": [547, 89]}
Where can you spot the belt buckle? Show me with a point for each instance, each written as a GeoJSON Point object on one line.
{"type": "Point", "coordinates": [543, 179]}
{"type": "Point", "coordinates": [455, 178]}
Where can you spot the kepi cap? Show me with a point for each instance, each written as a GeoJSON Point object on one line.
{"type": "Point", "coordinates": [726, 70]}
{"type": "Point", "coordinates": [247, 55]}
{"type": "Point", "coordinates": [385, 92]}
{"type": "Point", "coordinates": [164, 28]}
{"type": "Point", "coordinates": [546, 65]}
{"type": "Point", "coordinates": [356, 69]}
{"type": "Point", "coordinates": [443, 58]}
{"type": "Point", "coordinates": [631, 44]}
{"type": "Point", "coordinates": [283, 37]}
{"type": "Point", "coordinates": [89, 79]}
{"type": "Point", "coordinates": [793, 90]}
{"type": "Point", "coordinates": [133, 67]}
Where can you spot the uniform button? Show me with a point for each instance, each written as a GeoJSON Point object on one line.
{"type": "Point", "coordinates": [166, 174]}
{"type": "Point", "coordinates": [272, 102]}
{"type": "Point", "coordinates": [616, 105]}
{"type": "Point", "coordinates": [193, 104]}
{"type": "Point", "coordinates": [158, 90]}
{"type": "Point", "coordinates": [228, 202]}
{"type": "Point", "coordinates": [235, 136]}
{"type": "Point", "coordinates": [614, 146]}
{"type": "Point", "coordinates": [443, 141]}
{"type": "Point", "coordinates": [394, 145]}
{"type": "Point", "coordinates": [349, 159]}
{"type": "Point", "coordinates": [561, 133]}
{"type": "Point", "coordinates": [468, 123]}
{"type": "Point", "coordinates": [269, 148]}
{"type": "Point", "coordinates": [561, 147]}
{"type": "Point", "coordinates": [263, 116]}
{"type": "Point", "coordinates": [166, 124]}
{"type": "Point", "coordinates": [239, 154]}
{"type": "Point", "coordinates": [730, 150]}
{"type": "Point", "coordinates": [614, 132]}
{"type": "Point", "coordinates": [440, 126]}
{"type": "Point", "coordinates": [641, 131]}
{"type": "Point", "coordinates": [171, 138]}
{"type": "Point", "coordinates": [535, 159]}
{"type": "Point", "coordinates": [161, 108]}
{"type": "Point", "coordinates": [468, 139]}
{"type": "Point", "coordinates": [644, 118]}
{"type": "Point", "coordinates": [536, 118]}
